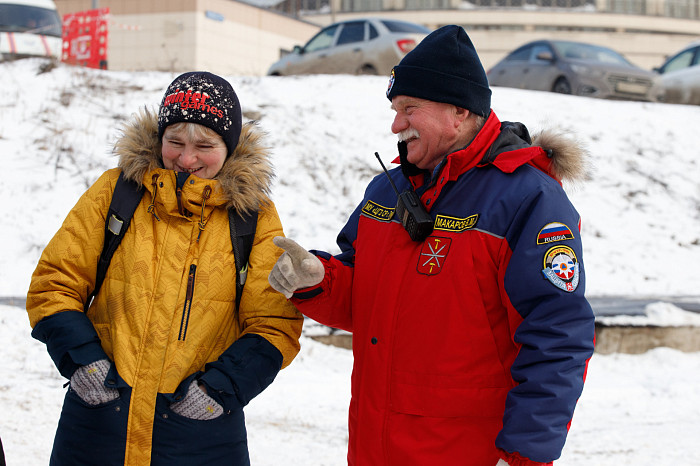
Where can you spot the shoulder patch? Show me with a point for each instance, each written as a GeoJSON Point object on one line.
{"type": "Point", "coordinates": [561, 268]}
{"type": "Point", "coordinates": [376, 211]}
{"type": "Point", "coordinates": [433, 255]}
{"type": "Point", "coordinates": [553, 232]}
{"type": "Point", "coordinates": [443, 222]}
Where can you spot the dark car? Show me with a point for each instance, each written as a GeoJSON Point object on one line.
{"type": "Point", "coordinates": [361, 46]}
{"type": "Point", "coordinates": [572, 68]}
{"type": "Point", "coordinates": [679, 77]}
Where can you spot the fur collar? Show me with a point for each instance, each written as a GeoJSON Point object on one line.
{"type": "Point", "coordinates": [245, 177]}
{"type": "Point", "coordinates": [569, 157]}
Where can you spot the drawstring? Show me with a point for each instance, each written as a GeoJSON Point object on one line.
{"type": "Point", "coordinates": [152, 207]}
{"type": "Point", "coordinates": [202, 221]}
{"type": "Point", "coordinates": [205, 196]}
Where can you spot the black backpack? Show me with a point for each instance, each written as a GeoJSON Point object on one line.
{"type": "Point", "coordinates": [127, 195]}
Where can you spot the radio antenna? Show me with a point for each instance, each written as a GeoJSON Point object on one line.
{"type": "Point", "coordinates": [387, 173]}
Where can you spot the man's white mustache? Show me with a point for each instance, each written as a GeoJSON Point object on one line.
{"type": "Point", "coordinates": [407, 134]}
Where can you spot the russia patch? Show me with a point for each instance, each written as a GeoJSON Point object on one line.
{"type": "Point", "coordinates": [553, 232]}
{"type": "Point", "coordinates": [561, 268]}
{"type": "Point", "coordinates": [433, 255]}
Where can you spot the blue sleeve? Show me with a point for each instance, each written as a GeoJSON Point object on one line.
{"type": "Point", "coordinates": [545, 283]}
{"type": "Point", "coordinates": [70, 339]}
{"type": "Point", "coordinates": [242, 372]}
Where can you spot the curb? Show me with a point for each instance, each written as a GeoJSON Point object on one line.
{"type": "Point", "coordinates": [639, 339]}
{"type": "Point", "coordinates": [610, 339]}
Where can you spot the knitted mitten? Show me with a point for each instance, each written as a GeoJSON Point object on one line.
{"type": "Point", "coordinates": [197, 405]}
{"type": "Point", "coordinates": [89, 383]}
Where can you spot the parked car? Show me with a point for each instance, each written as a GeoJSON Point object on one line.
{"type": "Point", "coordinates": [362, 46]}
{"type": "Point", "coordinates": [572, 68]}
{"type": "Point", "coordinates": [679, 77]}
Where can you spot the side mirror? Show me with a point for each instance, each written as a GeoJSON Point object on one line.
{"type": "Point", "coordinates": [298, 49]}
{"type": "Point", "coordinates": [545, 56]}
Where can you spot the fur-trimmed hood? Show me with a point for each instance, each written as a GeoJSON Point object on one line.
{"type": "Point", "coordinates": [245, 178]}
{"type": "Point", "coordinates": [568, 157]}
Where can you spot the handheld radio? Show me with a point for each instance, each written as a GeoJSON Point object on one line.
{"type": "Point", "coordinates": [414, 218]}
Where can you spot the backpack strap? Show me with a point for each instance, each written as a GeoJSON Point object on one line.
{"type": "Point", "coordinates": [127, 196]}
{"type": "Point", "coordinates": [125, 199]}
{"type": "Point", "coordinates": [242, 228]}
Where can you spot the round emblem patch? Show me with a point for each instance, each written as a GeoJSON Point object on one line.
{"type": "Point", "coordinates": [561, 268]}
{"type": "Point", "coordinates": [391, 82]}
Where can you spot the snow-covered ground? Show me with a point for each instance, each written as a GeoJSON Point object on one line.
{"type": "Point", "coordinates": [641, 221]}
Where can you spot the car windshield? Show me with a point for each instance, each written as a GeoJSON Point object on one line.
{"type": "Point", "coordinates": [25, 18]}
{"type": "Point", "coordinates": [322, 40]}
{"type": "Point", "coordinates": [579, 51]}
{"type": "Point", "coordinates": [400, 26]}
{"type": "Point", "coordinates": [680, 61]}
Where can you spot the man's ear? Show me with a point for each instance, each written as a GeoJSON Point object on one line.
{"type": "Point", "coordinates": [461, 114]}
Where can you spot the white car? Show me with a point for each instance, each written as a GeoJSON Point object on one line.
{"type": "Point", "coordinates": [360, 46]}
{"type": "Point", "coordinates": [678, 81]}
{"type": "Point", "coordinates": [29, 28]}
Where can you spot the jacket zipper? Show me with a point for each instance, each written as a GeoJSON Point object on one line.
{"type": "Point", "coordinates": [188, 303]}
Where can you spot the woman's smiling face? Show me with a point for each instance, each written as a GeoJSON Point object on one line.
{"type": "Point", "coordinates": [194, 149]}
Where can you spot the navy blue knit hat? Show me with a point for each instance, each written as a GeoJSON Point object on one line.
{"type": "Point", "coordinates": [206, 99]}
{"type": "Point", "coordinates": [444, 67]}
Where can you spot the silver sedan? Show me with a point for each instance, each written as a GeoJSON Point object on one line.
{"type": "Point", "coordinates": [361, 46]}
{"type": "Point", "coordinates": [572, 68]}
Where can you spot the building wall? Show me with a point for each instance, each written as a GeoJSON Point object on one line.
{"type": "Point", "coordinates": [250, 38]}
{"type": "Point", "coordinates": [233, 38]}
{"type": "Point", "coordinates": [222, 36]}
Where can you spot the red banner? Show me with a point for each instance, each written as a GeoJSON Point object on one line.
{"type": "Point", "coordinates": [85, 38]}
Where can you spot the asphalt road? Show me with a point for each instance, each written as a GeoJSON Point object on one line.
{"type": "Point", "coordinates": [627, 305]}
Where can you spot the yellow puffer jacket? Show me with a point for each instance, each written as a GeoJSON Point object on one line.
{"type": "Point", "coordinates": [166, 308]}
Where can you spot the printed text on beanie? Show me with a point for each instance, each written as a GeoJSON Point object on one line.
{"type": "Point", "coordinates": [444, 67]}
{"type": "Point", "coordinates": [206, 99]}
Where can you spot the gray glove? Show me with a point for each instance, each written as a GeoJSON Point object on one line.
{"type": "Point", "coordinates": [197, 405]}
{"type": "Point", "coordinates": [88, 382]}
{"type": "Point", "coordinates": [296, 268]}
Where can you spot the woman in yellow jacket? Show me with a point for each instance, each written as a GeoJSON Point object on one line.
{"type": "Point", "coordinates": [161, 365]}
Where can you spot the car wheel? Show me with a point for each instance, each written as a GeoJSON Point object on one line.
{"type": "Point", "coordinates": [562, 86]}
{"type": "Point", "coordinates": [368, 70]}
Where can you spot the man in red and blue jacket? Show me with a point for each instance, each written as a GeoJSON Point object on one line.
{"type": "Point", "coordinates": [471, 336]}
